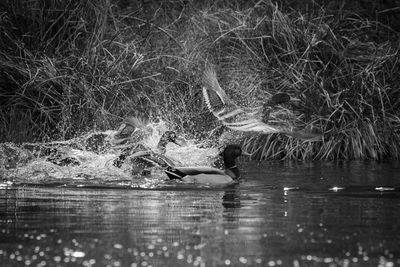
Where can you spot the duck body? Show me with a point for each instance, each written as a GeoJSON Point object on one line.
{"type": "Point", "coordinates": [201, 175]}
{"type": "Point", "coordinates": [209, 175]}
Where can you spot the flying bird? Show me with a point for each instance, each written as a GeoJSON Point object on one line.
{"type": "Point", "coordinates": [258, 119]}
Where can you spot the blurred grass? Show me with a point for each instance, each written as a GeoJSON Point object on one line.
{"type": "Point", "coordinates": [67, 67]}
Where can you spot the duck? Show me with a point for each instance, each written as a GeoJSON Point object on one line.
{"type": "Point", "coordinates": [143, 158]}
{"type": "Point", "coordinates": [260, 119]}
{"type": "Point", "coordinates": [210, 175]}
{"type": "Point", "coordinates": [169, 137]}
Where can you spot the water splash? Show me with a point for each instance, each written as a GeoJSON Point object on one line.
{"type": "Point", "coordinates": [192, 154]}
{"type": "Point", "coordinates": [85, 161]}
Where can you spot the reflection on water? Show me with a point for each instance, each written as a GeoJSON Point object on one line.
{"type": "Point", "coordinates": [281, 214]}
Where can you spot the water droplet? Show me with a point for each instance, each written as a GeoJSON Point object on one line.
{"type": "Point", "coordinates": [189, 258]}
{"type": "Point", "coordinates": [336, 188]}
{"type": "Point", "coordinates": [78, 254]}
{"type": "Point", "coordinates": [384, 188]}
{"type": "Point", "coordinates": [180, 256]}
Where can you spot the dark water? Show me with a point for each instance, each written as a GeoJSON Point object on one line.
{"type": "Point", "coordinates": [281, 214]}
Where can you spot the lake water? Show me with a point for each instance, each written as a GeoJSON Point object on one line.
{"type": "Point", "coordinates": [280, 214]}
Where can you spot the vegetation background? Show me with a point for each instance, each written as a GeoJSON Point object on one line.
{"type": "Point", "coordinates": [68, 67]}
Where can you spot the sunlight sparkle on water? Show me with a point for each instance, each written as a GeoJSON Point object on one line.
{"type": "Point", "coordinates": [384, 188]}
{"type": "Point", "coordinates": [336, 188]}
{"type": "Point", "coordinates": [289, 188]}
{"type": "Point", "coordinates": [249, 224]}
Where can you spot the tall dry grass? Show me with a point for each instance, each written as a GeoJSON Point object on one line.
{"type": "Point", "coordinates": [65, 69]}
{"type": "Point", "coordinates": [68, 67]}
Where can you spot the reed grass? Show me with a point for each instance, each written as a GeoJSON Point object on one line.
{"type": "Point", "coordinates": [69, 67]}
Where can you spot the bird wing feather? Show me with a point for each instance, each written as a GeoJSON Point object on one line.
{"type": "Point", "coordinates": [236, 118]}
{"type": "Point", "coordinates": [226, 111]}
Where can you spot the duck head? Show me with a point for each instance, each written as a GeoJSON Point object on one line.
{"type": "Point", "coordinates": [169, 137]}
{"type": "Point", "coordinates": [231, 152]}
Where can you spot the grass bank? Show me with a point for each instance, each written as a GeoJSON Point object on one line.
{"type": "Point", "coordinates": [69, 67]}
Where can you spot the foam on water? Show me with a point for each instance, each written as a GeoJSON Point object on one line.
{"type": "Point", "coordinates": [97, 168]}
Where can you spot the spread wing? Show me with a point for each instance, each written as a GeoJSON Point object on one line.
{"type": "Point", "coordinates": [239, 119]}
{"type": "Point", "coordinates": [226, 111]}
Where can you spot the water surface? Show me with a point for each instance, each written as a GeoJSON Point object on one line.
{"type": "Point", "coordinates": [280, 214]}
